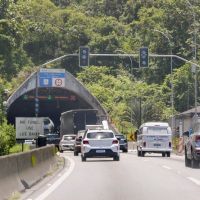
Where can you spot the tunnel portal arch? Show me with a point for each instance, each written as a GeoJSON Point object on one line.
{"type": "Point", "coordinates": [52, 100]}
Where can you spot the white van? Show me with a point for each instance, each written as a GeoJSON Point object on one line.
{"type": "Point", "coordinates": [154, 137]}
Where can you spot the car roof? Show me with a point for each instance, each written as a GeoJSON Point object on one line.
{"type": "Point", "coordinates": [70, 135]}
{"type": "Point", "coordinates": [154, 124]}
{"type": "Point", "coordinates": [99, 130]}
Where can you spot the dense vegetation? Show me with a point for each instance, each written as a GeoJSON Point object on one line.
{"type": "Point", "coordinates": [35, 31]}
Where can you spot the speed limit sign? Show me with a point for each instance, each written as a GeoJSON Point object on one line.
{"type": "Point", "coordinates": [58, 82]}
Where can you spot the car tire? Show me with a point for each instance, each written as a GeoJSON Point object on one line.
{"type": "Point", "coordinates": [139, 153]}
{"type": "Point", "coordinates": [75, 153]}
{"type": "Point", "coordinates": [163, 154]}
{"type": "Point", "coordinates": [61, 151]}
{"type": "Point", "coordinates": [142, 153]}
{"type": "Point", "coordinates": [194, 163]}
{"type": "Point", "coordinates": [83, 158]}
{"type": "Point", "coordinates": [116, 158]}
{"type": "Point", "coordinates": [125, 150]}
{"type": "Point", "coordinates": [168, 154]}
{"type": "Point", "coordinates": [187, 161]}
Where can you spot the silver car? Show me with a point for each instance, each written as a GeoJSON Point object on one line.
{"type": "Point", "coordinates": [67, 142]}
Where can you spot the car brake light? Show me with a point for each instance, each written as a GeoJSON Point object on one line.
{"type": "Point", "coordinates": [197, 138]}
{"type": "Point", "coordinates": [170, 144]}
{"type": "Point", "coordinates": [144, 144]}
{"type": "Point", "coordinates": [85, 142]}
{"type": "Point", "coordinates": [115, 142]}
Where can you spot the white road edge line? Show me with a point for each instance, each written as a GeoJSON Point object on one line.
{"type": "Point", "coordinates": [196, 181]}
{"type": "Point", "coordinates": [47, 192]}
{"type": "Point", "coordinates": [166, 167]}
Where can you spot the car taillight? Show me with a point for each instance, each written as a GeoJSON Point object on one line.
{"type": "Point", "coordinates": [115, 142]}
{"type": "Point", "coordinates": [197, 138]}
{"type": "Point", "coordinates": [144, 144]}
{"type": "Point", "coordinates": [170, 144]}
{"type": "Point", "coordinates": [85, 142]}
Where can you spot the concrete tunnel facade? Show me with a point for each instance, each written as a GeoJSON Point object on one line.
{"type": "Point", "coordinates": [52, 100]}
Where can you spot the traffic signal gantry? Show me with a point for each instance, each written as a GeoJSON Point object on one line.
{"type": "Point", "coordinates": [84, 56]}
{"type": "Point", "coordinates": [144, 57]}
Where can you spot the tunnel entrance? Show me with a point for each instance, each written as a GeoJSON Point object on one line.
{"type": "Point", "coordinates": [52, 100]}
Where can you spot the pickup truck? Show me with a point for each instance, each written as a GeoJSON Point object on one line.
{"type": "Point", "coordinates": [192, 150]}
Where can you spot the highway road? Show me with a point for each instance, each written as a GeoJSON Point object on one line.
{"type": "Point", "coordinates": [140, 178]}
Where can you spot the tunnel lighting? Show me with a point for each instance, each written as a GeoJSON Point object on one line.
{"type": "Point", "coordinates": [50, 97]}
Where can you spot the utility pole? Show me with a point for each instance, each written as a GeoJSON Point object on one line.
{"type": "Point", "coordinates": [194, 58]}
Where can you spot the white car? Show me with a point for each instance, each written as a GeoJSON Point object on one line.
{"type": "Point", "coordinates": [100, 143]}
{"type": "Point", "coordinates": [67, 142]}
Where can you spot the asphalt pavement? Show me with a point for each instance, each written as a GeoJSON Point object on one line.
{"type": "Point", "coordinates": [140, 178]}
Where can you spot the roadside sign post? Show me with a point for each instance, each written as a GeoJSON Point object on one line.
{"type": "Point", "coordinates": [29, 127]}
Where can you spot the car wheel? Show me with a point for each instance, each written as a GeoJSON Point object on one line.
{"type": "Point", "coordinates": [168, 154]}
{"type": "Point", "coordinates": [116, 158]}
{"type": "Point", "coordinates": [61, 151]}
{"type": "Point", "coordinates": [187, 161]}
{"type": "Point", "coordinates": [194, 163]}
{"type": "Point", "coordinates": [138, 153]}
{"type": "Point", "coordinates": [125, 150]}
{"type": "Point", "coordinates": [163, 154]}
{"type": "Point", "coordinates": [83, 158]}
{"type": "Point", "coordinates": [75, 153]}
{"type": "Point", "coordinates": [142, 153]}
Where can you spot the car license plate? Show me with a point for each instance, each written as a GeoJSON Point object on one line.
{"type": "Point", "coordinates": [100, 151]}
{"type": "Point", "coordinates": [157, 145]}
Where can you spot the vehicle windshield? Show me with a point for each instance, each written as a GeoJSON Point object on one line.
{"type": "Point", "coordinates": [100, 135]}
{"type": "Point", "coordinates": [69, 138]}
{"type": "Point", "coordinates": [52, 136]}
{"type": "Point", "coordinates": [120, 136]}
{"type": "Point", "coordinates": [197, 127]}
{"type": "Point", "coordinates": [157, 130]}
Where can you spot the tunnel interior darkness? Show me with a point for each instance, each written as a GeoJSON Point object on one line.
{"type": "Point", "coordinates": [52, 102]}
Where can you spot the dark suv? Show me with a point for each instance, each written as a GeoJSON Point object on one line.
{"type": "Point", "coordinates": [122, 142]}
{"type": "Point", "coordinates": [77, 144]}
{"type": "Point", "coordinates": [53, 138]}
{"type": "Point", "coordinates": [192, 150]}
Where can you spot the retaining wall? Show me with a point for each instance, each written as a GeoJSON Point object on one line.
{"type": "Point", "coordinates": [21, 171]}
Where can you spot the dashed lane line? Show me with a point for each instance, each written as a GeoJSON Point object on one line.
{"type": "Point", "coordinates": [194, 180]}
{"type": "Point", "coordinates": [166, 167]}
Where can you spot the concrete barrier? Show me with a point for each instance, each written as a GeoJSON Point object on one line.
{"type": "Point", "coordinates": [21, 171]}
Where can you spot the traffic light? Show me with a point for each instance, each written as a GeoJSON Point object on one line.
{"type": "Point", "coordinates": [144, 57]}
{"type": "Point", "coordinates": [84, 53]}
{"type": "Point", "coordinates": [36, 106]}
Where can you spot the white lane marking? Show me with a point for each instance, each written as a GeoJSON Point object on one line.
{"type": "Point", "coordinates": [47, 192]}
{"type": "Point", "coordinates": [166, 167]}
{"type": "Point", "coordinates": [194, 180]}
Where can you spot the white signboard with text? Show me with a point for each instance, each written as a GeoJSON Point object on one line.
{"type": "Point", "coordinates": [29, 127]}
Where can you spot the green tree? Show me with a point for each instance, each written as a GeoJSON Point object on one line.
{"type": "Point", "coordinates": [7, 138]}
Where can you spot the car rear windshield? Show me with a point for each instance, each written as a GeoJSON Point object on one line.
{"type": "Point", "coordinates": [100, 135]}
{"type": "Point", "coordinates": [120, 136]}
{"type": "Point", "coordinates": [69, 137]}
{"type": "Point", "coordinates": [53, 136]}
{"type": "Point", "coordinates": [157, 130]}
